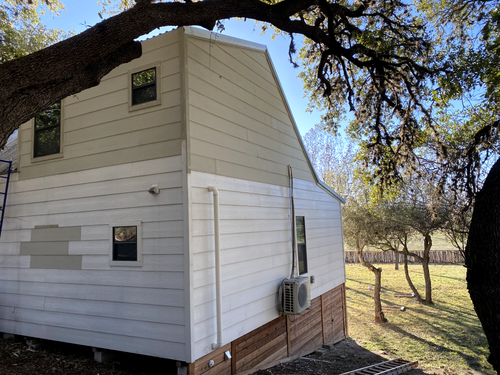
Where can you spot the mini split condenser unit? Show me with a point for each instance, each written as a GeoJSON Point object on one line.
{"type": "Point", "coordinates": [295, 295]}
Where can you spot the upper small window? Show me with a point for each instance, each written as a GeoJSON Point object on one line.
{"type": "Point", "coordinates": [125, 243]}
{"type": "Point", "coordinates": [144, 86]}
{"type": "Point", "coordinates": [300, 227]}
{"type": "Point", "coordinates": [47, 132]}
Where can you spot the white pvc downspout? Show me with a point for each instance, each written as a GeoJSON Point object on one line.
{"type": "Point", "coordinates": [218, 295]}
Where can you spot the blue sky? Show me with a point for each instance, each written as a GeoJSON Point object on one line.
{"type": "Point", "coordinates": [81, 14]}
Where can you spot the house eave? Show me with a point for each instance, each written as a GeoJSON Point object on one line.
{"type": "Point", "coordinates": [220, 38]}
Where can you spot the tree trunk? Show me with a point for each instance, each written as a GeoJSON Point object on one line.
{"type": "Point", "coordinates": [482, 259]}
{"type": "Point", "coordinates": [395, 247]}
{"type": "Point", "coordinates": [425, 266]}
{"type": "Point", "coordinates": [408, 278]}
{"type": "Point", "coordinates": [428, 284]}
{"type": "Point", "coordinates": [379, 315]}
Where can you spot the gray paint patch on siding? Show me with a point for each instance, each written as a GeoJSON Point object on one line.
{"type": "Point", "coordinates": [49, 247]}
{"type": "Point", "coordinates": [45, 248]}
{"type": "Point", "coordinates": [59, 262]}
{"type": "Point", "coordinates": [56, 234]}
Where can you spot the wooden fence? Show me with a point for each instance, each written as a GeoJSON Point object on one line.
{"type": "Point", "coordinates": [438, 256]}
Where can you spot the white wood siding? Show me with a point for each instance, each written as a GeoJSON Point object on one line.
{"type": "Point", "coordinates": [256, 251]}
{"type": "Point", "coordinates": [239, 123]}
{"type": "Point", "coordinates": [98, 128]}
{"type": "Point", "coordinates": [135, 309]}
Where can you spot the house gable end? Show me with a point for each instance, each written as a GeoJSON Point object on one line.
{"type": "Point", "coordinates": [240, 123]}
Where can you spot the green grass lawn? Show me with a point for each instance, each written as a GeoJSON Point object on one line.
{"type": "Point", "coordinates": [447, 333]}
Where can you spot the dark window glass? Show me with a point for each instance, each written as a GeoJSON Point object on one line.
{"type": "Point", "coordinates": [125, 243]}
{"type": "Point", "coordinates": [47, 135]}
{"type": "Point", "coordinates": [300, 227]}
{"type": "Point", "coordinates": [144, 86]}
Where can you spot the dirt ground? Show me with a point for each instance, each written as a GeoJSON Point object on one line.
{"type": "Point", "coordinates": [345, 356]}
{"type": "Point", "coordinates": [57, 358]}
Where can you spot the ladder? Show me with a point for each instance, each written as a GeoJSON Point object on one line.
{"type": "Point", "coordinates": [7, 177]}
{"type": "Point", "coordinates": [392, 367]}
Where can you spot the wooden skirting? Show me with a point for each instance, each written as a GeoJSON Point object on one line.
{"type": "Point", "coordinates": [282, 339]}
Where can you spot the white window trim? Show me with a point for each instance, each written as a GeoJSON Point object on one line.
{"type": "Point", "coordinates": [152, 103]}
{"type": "Point", "coordinates": [122, 263]}
{"type": "Point", "coordinates": [61, 141]}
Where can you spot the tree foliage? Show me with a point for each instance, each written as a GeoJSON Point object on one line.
{"type": "Point", "coordinates": [467, 38]}
{"type": "Point", "coordinates": [334, 159]}
{"type": "Point", "coordinates": [21, 29]}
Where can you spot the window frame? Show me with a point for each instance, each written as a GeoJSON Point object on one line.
{"type": "Point", "coordinates": [126, 263]}
{"type": "Point", "coordinates": [305, 263]}
{"type": "Point", "coordinates": [56, 155]}
{"type": "Point", "coordinates": [135, 107]}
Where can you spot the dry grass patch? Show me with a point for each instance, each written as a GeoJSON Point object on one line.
{"type": "Point", "coordinates": [446, 336]}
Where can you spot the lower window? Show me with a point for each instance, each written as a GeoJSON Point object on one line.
{"type": "Point", "coordinates": [300, 227]}
{"type": "Point", "coordinates": [125, 244]}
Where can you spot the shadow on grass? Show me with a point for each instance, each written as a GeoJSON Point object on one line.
{"type": "Point", "coordinates": [359, 282]}
{"type": "Point", "coordinates": [383, 288]}
{"type": "Point", "coordinates": [459, 316]}
{"type": "Point", "coordinates": [447, 333]}
{"type": "Point", "coordinates": [457, 328]}
{"type": "Point", "coordinates": [441, 276]}
{"type": "Point", "coordinates": [453, 308]}
{"type": "Point", "coordinates": [368, 293]}
{"type": "Point", "coordinates": [472, 361]}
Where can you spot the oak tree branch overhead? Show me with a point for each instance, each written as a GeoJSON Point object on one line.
{"type": "Point", "coordinates": [32, 83]}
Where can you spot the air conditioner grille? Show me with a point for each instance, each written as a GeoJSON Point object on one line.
{"type": "Point", "coordinates": [289, 293]}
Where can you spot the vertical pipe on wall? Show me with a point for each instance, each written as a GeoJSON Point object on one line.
{"type": "Point", "coordinates": [218, 295]}
{"type": "Point", "coordinates": [292, 220]}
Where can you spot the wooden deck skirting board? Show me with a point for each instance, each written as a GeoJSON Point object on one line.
{"type": "Point", "coordinates": [281, 340]}
{"type": "Point", "coordinates": [306, 332]}
{"type": "Point", "coordinates": [344, 307]}
{"type": "Point", "coordinates": [221, 365]}
{"type": "Point", "coordinates": [323, 319]}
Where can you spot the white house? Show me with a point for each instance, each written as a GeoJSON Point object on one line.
{"type": "Point", "coordinates": [110, 232]}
